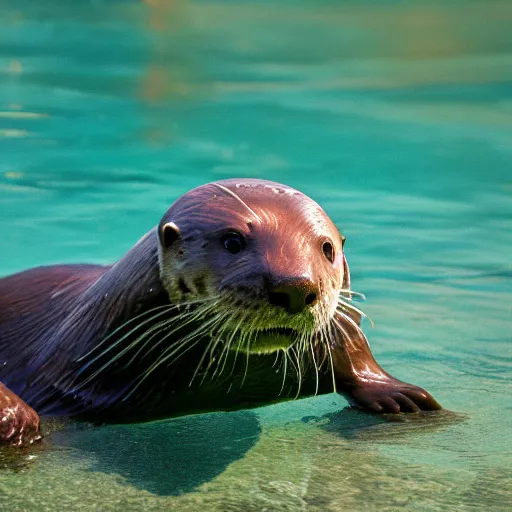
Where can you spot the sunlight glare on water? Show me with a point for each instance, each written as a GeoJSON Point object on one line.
{"type": "Point", "coordinates": [395, 116]}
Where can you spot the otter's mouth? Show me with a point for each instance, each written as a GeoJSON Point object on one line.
{"type": "Point", "coordinates": [266, 341]}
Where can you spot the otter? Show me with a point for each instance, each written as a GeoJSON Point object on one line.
{"type": "Point", "coordinates": [239, 297]}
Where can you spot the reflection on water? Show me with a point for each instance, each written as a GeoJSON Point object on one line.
{"type": "Point", "coordinates": [396, 117]}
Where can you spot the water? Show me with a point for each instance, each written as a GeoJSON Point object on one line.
{"type": "Point", "coordinates": [397, 118]}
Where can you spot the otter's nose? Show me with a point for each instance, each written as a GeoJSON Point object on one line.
{"type": "Point", "coordinates": [293, 295]}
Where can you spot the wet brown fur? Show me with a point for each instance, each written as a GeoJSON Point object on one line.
{"type": "Point", "coordinates": [97, 342]}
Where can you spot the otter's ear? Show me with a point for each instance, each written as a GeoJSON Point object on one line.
{"type": "Point", "coordinates": [168, 234]}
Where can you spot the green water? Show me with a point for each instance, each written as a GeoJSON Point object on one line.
{"type": "Point", "coordinates": [395, 116]}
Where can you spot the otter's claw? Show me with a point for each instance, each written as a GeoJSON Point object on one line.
{"type": "Point", "coordinates": [392, 396]}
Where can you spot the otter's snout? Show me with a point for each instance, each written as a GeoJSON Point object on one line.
{"type": "Point", "coordinates": [293, 295]}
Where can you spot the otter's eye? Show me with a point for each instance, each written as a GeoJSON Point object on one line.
{"type": "Point", "coordinates": [328, 251]}
{"type": "Point", "coordinates": [233, 242]}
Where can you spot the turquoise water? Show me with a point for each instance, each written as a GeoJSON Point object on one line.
{"type": "Point", "coordinates": [396, 118]}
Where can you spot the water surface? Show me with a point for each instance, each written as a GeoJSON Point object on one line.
{"type": "Point", "coordinates": [396, 118]}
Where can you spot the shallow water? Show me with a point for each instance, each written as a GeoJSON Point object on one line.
{"type": "Point", "coordinates": [397, 119]}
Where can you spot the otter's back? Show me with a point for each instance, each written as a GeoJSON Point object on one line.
{"type": "Point", "coordinates": [32, 305]}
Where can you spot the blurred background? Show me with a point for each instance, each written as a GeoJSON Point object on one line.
{"type": "Point", "coordinates": [112, 109]}
{"type": "Point", "coordinates": [395, 116]}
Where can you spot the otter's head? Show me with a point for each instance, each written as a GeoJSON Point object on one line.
{"type": "Point", "coordinates": [265, 258]}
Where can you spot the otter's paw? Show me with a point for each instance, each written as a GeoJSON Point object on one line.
{"type": "Point", "coordinates": [19, 423]}
{"type": "Point", "coordinates": [392, 396]}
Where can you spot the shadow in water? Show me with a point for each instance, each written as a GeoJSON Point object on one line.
{"type": "Point", "coordinates": [169, 457]}
{"type": "Point", "coordinates": [174, 457]}
{"type": "Point", "coordinates": [352, 423]}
